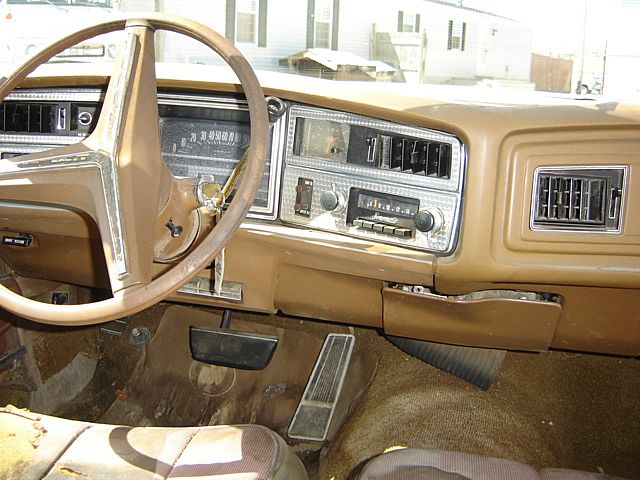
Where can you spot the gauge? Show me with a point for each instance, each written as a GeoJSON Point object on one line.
{"type": "Point", "coordinates": [193, 147]}
{"type": "Point", "coordinates": [323, 139]}
{"type": "Point", "coordinates": [209, 147]}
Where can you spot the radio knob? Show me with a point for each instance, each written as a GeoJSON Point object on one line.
{"type": "Point", "coordinates": [428, 220]}
{"type": "Point", "coordinates": [331, 200]}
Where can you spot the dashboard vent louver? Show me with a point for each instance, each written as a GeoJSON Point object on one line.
{"type": "Point", "coordinates": [428, 158]}
{"type": "Point", "coordinates": [24, 117]}
{"type": "Point", "coordinates": [578, 199]}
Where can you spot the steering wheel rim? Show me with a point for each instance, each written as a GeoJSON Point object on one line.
{"type": "Point", "coordinates": [136, 297]}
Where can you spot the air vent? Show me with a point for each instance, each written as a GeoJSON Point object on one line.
{"type": "Point", "coordinates": [419, 157]}
{"type": "Point", "coordinates": [578, 199]}
{"type": "Point", "coordinates": [23, 117]}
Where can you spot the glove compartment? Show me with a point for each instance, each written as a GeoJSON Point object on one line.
{"type": "Point", "coordinates": [497, 319]}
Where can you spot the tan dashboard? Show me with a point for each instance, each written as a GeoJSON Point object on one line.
{"type": "Point", "coordinates": [575, 287]}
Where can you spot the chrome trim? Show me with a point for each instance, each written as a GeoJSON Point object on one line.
{"type": "Point", "coordinates": [453, 184]}
{"type": "Point", "coordinates": [88, 159]}
{"type": "Point", "coordinates": [270, 212]}
{"type": "Point", "coordinates": [111, 139]}
{"type": "Point", "coordinates": [199, 286]}
{"type": "Point", "coordinates": [444, 194]}
{"type": "Point", "coordinates": [578, 229]}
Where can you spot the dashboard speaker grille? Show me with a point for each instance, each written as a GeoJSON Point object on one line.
{"type": "Point", "coordinates": [578, 199]}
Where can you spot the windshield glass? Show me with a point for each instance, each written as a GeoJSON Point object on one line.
{"type": "Point", "coordinates": [569, 47]}
{"type": "Point", "coordinates": [66, 3]}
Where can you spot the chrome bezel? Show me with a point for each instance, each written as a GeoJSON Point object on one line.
{"type": "Point", "coordinates": [385, 181]}
{"type": "Point", "coordinates": [26, 143]}
{"type": "Point", "coordinates": [577, 229]}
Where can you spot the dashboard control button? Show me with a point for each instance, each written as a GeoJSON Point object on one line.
{"type": "Point", "coordinates": [402, 232]}
{"type": "Point", "coordinates": [368, 224]}
{"type": "Point", "coordinates": [424, 221]}
{"type": "Point", "coordinates": [304, 195]}
{"type": "Point", "coordinates": [429, 220]}
{"type": "Point", "coordinates": [331, 200]}
{"type": "Point", "coordinates": [358, 222]}
{"type": "Point", "coordinates": [388, 229]}
{"type": "Point", "coordinates": [378, 227]}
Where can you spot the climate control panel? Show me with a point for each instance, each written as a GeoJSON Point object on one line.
{"type": "Point", "coordinates": [372, 179]}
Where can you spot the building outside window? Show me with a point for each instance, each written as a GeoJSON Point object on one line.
{"type": "Point", "coordinates": [408, 22]}
{"type": "Point", "coordinates": [457, 34]}
{"type": "Point", "coordinates": [246, 21]}
{"type": "Point", "coordinates": [323, 16]}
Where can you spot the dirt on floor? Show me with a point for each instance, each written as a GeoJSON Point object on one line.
{"type": "Point", "coordinates": [555, 409]}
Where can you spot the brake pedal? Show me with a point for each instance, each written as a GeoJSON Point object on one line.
{"type": "Point", "coordinates": [231, 348]}
{"type": "Point", "coordinates": [316, 408]}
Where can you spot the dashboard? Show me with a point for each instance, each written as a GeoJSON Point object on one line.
{"type": "Point", "coordinates": [326, 170]}
{"type": "Point", "coordinates": [461, 221]}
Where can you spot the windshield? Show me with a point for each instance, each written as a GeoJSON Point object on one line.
{"type": "Point", "coordinates": [569, 47]}
{"type": "Point", "coordinates": [66, 3]}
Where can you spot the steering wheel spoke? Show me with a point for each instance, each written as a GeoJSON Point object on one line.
{"type": "Point", "coordinates": [127, 134]}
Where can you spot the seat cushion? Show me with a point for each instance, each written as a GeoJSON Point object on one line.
{"type": "Point", "coordinates": [564, 474]}
{"type": "Point", "coordinates": [418, 464]}
{"type": "Point", "coordinates": [53, 448]}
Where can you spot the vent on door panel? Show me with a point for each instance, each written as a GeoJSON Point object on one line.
{"type": "Point", "coordinates": [578, 199]}
{"type": "Point", "coordinates": [24, 117]}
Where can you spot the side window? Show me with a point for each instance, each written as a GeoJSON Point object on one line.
{"type": "Point", "coordinates": [457, 34]}
{"type": "Point", "coordinates": [408, 22]}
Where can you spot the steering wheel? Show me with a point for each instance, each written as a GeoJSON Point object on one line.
{"type": "Point", "coordinates": [118, 177]}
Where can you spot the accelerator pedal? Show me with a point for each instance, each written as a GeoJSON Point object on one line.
{"type": "Point", "coordinates": [231, 348]}
{"type": "Point", "coordinates": [478, 366]}
{"type": "Point", "coordinates": [313, 416]}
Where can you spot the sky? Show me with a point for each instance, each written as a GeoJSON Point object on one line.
{"type": "Point", "coordinates": [557, 24]}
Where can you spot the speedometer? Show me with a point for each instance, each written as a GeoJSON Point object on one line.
{"type": "Point", "coordinates": [192, 147]}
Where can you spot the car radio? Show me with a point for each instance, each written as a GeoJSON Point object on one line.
{"type": "Point", "coordinates": [372, 179]}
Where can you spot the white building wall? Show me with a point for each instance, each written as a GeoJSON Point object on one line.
{"type": "Point", "coordinates": [355, 27]}
{"type": "Point", "coordinates": [504, 50]}
{"type": "Point", "coordinates": [286, 34]}
{"type": "Point", "coordinates": [494, 47]}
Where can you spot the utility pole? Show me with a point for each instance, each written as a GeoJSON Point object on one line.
{"type": "Point", "coordinates": [584, 41]}
{"type": "Point", "coordinates": [159, 7]}
{"type": "Point", "coordinates": [604, 65]}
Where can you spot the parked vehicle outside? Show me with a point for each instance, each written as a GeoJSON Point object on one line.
{"type": "Point", "coordinates": [26, 25]}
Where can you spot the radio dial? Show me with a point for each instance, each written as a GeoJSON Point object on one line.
{"type": "Point", "coordinates": [331, 200]}
{"type": "Point", "coordinates": [428, 220]}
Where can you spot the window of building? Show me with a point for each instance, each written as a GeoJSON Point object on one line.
{"type": "Point", "coordinates": [323, 17]}
{"type": "Point", "coordinates": [322, 28]}
{"type": "Point", "coordinates": [408, 22]}
{"type": "Point", "coordinates": [246, 21]}
{"type": "Point", "coordinates": [457, 34]}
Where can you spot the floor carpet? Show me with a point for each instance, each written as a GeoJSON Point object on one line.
{"type": "Point", "coordinates": [554, 409]}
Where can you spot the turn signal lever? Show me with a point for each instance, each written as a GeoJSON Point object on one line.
{"type": "Point", "coordinates": [208, 193]}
